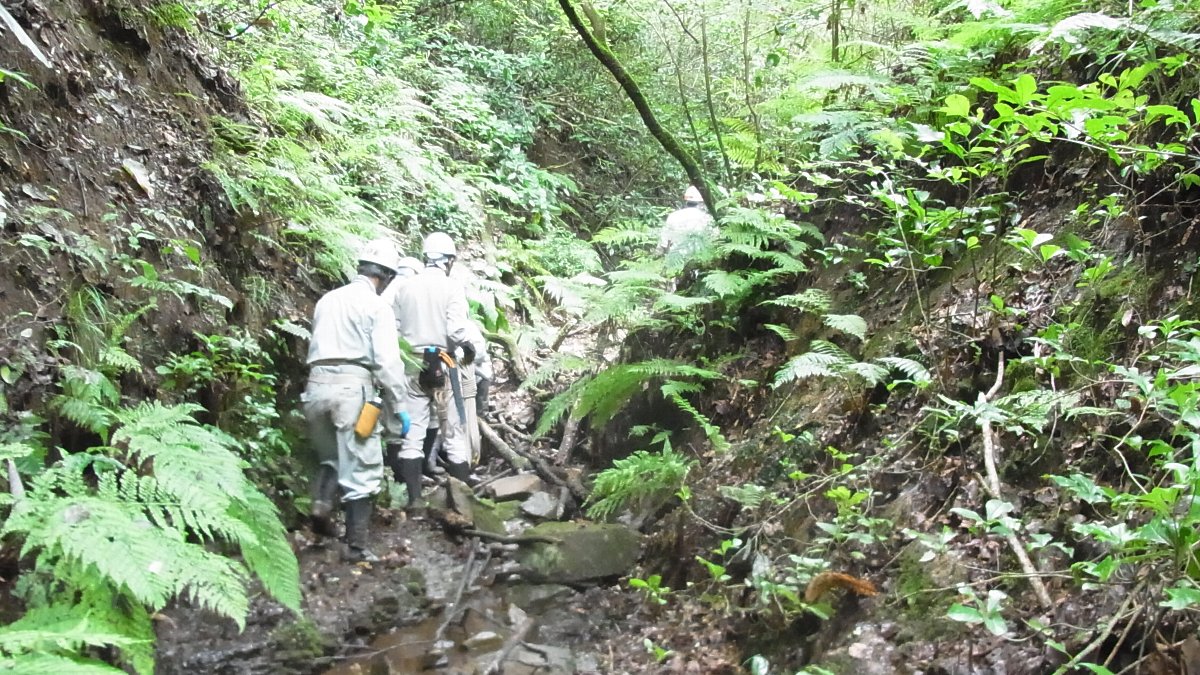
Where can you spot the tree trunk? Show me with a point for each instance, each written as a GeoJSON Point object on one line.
{"type": "Point", "coordinates": [694, 173]}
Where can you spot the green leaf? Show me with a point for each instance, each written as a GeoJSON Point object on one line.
{"type": "Point", "coordinates": [995, 624]}
{"type": "Point", "coordinates": [1025, 87]}
{"type": "Point", "coordinates": [957, 105]}
{"type": "Point", "coordinates": [964, 614]}
{"type": "Point", "coordinates": [1182, 597]}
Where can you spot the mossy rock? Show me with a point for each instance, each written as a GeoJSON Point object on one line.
{"type": "Point", "coordinates": [300, 640]}
{"type": "Point", "coordinates": [587, 552]}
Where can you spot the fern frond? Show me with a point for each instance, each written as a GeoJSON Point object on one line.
{"type": "Point", "coordinates": [830, 349]}
{"type": "Point", "coordinates": [559, 364]}
{"type": "Point", "coordinates": [51, 664]}
{"type": "Point", "coordinates": [911, 369]}
{"type": "Point", "coordinates": [559, 405]}
{"type": "Point", "coordinates": [645, 480]}
{"type": "Point", "coordinates": [813, 300]}
{"type": "Point", "coordinates": [809, 364]}
{"type": "Point", "coordinates": [785, 333]}
{"type": "Point", "coordinates": [851, 324]}
{"type": "Point", "coordinates": [55, 628]}
{"type": "Point", "coordinates": [726, 284]}
{"type": "Point", "coordinates": [623, 236]}
{"type": "Point", "coordinates": [873, 373]}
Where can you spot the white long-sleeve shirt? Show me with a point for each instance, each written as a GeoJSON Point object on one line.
{"type": "Point", "coordinates": [685, 231]}
{"type": "Point", "coordinates": [353, 325]}
{"type": "Point", "coordinates": [431, 310]}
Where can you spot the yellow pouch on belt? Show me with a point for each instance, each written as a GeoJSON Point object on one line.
{"type": "Point", "coordinates": [367, 418]}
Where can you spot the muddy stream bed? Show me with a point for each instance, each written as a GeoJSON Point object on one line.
{"type": "Point", "coordinates": [439, 602]}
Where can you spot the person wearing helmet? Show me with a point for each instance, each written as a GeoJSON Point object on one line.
{"type": "Point", "coordinates": [431, 312]}
{"type": "Point", "coordinates": [686, 231]}
{"type": "Point", "coordinates": [352, 354]}
{"type": "Point", "coordinates": [393, 428]}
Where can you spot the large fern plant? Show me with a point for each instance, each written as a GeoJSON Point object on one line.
{"type": "Point", "coordinates": [115, 533]}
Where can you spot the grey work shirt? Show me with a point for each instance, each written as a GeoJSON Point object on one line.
{"type": "Point", "coordinates": [431, 310]}
{"type": "Point", "coordinates": [353, 325]}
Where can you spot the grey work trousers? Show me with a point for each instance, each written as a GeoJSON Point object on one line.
{"type": "Point", "coordinates": [426, 407]}
{"type": "Point", "coordinates": [332, 402]}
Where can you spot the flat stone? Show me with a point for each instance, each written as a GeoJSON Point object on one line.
{"type": "Point", "coordinates": [541, 505]}
{"type": "Point", "coordinates": [519, 486]}
{"type": "Point", "coordinates": [546, 659]}
{"type": "Point", "coordinates": [475, 621]}
{"type": "Point", "coordinates": [484, 641]}
{"type": "Point", "coordinates": [537, 597]}
{"type": "Point", "coordinates": [516, 616]}
{"type": "Point", "coordinates": [587, 552]}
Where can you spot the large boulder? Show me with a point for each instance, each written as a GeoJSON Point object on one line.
{"type": "Point", "coordinates": [585, 552]}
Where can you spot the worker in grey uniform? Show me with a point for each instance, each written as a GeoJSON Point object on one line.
{"type": "Point", "coordinates": [431, 311]}
{"type": "Point", "coordinates": [352, 354]}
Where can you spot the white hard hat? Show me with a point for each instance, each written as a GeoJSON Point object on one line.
{"type": "Point", "coordinates": [409, 266]}
{"type": "Point", "coordinates": [438, 245]}
{"type": "Point", "coordinates": [692, 194]}
{"type": "Point", "coordinates": [382, 252]}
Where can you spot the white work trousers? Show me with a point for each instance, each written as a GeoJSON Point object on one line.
{"type": "Point", "coordinates": [332, 402]}
{"type": "Point", "coordinates": [434, 407]}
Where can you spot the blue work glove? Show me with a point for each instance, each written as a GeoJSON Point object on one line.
{"type": "Point", "coordinates": [405, 422]}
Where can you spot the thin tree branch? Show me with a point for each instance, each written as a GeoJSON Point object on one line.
{"type": "Point", "coordinates": [989, 462]}
{"type": "Point", "coordinates": [694, 173]}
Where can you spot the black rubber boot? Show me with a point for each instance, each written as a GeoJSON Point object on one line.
{"type": "Point", "coordinates": [427, 449]}
{"type": "Point", "coordinates": [358, 523]}
{"type": "Point", "coordinates": [391, 457]}
{"type": "Point", "coordinates": [459, 470]}
{"type": "Point", "coordinates": [410, 471]}
{"type": "Point", "coordinates": [324, 492]}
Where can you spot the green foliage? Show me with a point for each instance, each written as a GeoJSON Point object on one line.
{"type": "Point", "coordinates": [120, 530]}
{"type": "Point", "coordinates": [643, 481]}
{"type": "Point", "coordinates": [826, 359]}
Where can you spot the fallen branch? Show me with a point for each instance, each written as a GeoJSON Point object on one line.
{"type": "Point", "coordinates": [569, 437]}
{"type": "Point", "coordinates": [513, 538]}
{"type": "Point", "coordinates": [455, 607]}
{"type": "Point", "coordinates": [513, 431]}
{"type": "Point", "coordinates": [550, 475]}
{"type": "Point", "coordinates": [514, 353]}
{"type": "Point", "coordinates": [510, 644]}
{"type": "Point", "coordinates": [993, 475]}
{"type": "Point", "coordinates": [492, 479]}
{"type": "Point", "coordinates": [514, 458]}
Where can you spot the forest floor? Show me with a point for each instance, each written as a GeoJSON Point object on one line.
{"type": "Point", "coordinates": [400, 615]}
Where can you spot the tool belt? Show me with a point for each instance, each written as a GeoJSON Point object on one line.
{"type": "Point", "coordinates": [435, 362]}
{"type": "Point", "coordinates": [339, 373]}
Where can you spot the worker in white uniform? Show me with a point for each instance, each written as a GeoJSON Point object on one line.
{"type": "Point", "coordinates": [353, 354]}
{"type": "Point", "coordinates": [431, 310]}
{"type": "Point", "coordinates": [477, 378]}
{"type": "Point", "coordinates": [476, 385]}
{"type": "Point", "coordinates": [687, 231]}
{"type": "Point", "coordinates": [393, 433]}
